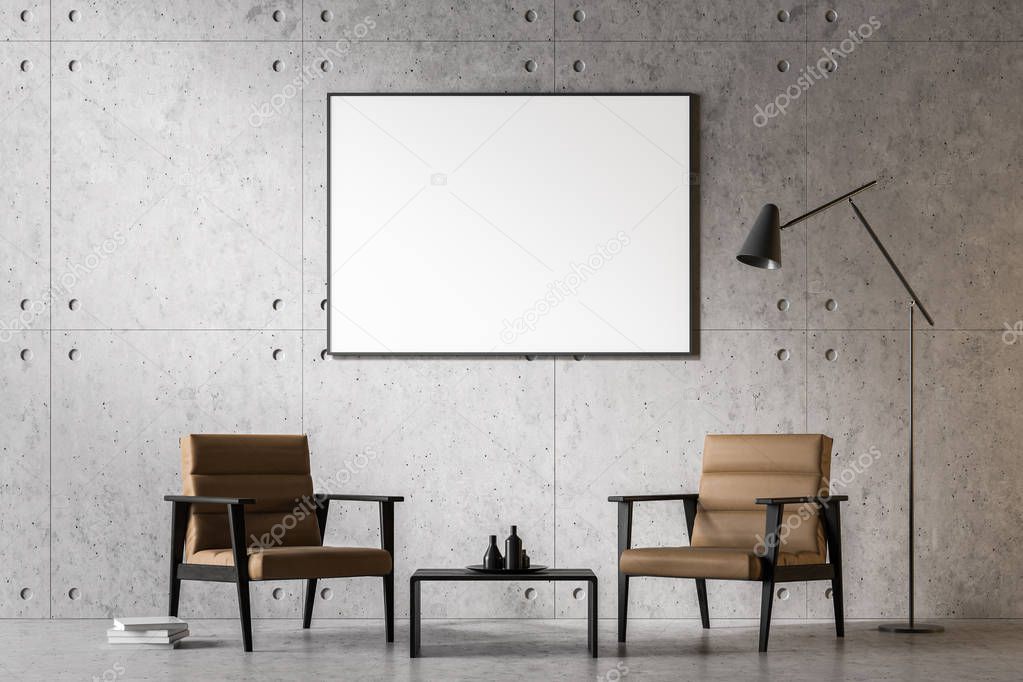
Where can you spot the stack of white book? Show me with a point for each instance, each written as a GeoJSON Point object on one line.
{"type": "Point", "coordinates": [155, 632]}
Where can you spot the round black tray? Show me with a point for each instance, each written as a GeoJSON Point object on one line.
{"type": "Point", "coordinates": [480, 569]}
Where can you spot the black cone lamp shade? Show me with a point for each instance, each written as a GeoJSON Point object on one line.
{"type": "Point", "coordinates": [762, 248]}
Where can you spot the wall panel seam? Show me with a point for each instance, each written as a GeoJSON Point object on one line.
{"type": "Point", "coordinates": [49, 407]}
{"type": "Point", "coordinates": [945, 41]}
{"type": "Point", "coordinates": [301, 230]}
{"type": "Point", "coordinates": [806, 277]}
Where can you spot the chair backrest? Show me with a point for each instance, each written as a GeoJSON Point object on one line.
{"type": "Point", "coordinates": [273, 470]}
{"type": "Point", "coordinates": [739, 469]}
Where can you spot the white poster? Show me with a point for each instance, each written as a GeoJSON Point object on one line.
{"type": "Point", "coordinates": [489, 224]}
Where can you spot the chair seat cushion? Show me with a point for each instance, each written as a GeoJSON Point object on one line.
{"type": "Point", "coordinates": [302, 562]}
{"type": "Point", "coordinates": [691, 562]}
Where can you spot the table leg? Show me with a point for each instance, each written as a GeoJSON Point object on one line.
{"type": "Point", "coordinates": [591, 628]}
{"type": "Point", "coordinates": [589, 621]}
{"type": "Point", "coordinates": [414, 617]}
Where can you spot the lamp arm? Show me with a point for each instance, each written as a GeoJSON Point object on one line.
{"type": "Point", "coordinates": [833, 202]}
{"type": "Point", "coordinates": [863, 221]}
{"type": "Point", "coordinates": [895, 268]}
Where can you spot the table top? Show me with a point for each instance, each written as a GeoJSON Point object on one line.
{"type": "Point", "coordinates": [466, 574]}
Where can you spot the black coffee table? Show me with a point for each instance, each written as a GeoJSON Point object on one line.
{"type": "Point", "coordinates": [463, 574]}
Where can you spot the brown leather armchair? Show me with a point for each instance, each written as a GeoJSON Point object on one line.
{"type": "Point", "coordinates": [763, 513]}
{"type": "Point", "coordinates": [249, 503]}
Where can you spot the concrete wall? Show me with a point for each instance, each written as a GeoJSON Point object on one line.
{"type": "Point", "coordinates": [163, 176]}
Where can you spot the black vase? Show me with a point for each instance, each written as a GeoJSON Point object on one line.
{"type": "Point", "coordinates": [492, 558]}
{"type": "Point", "coordinates": [513, 551]}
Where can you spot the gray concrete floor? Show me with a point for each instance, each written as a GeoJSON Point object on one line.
{"type": "Point", "coordinates": [518, 650]}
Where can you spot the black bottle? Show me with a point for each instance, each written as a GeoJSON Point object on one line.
{"type": "Point", "coordinates": [493, 558]}
{"type": "Point", "coordinates": [513, 551]}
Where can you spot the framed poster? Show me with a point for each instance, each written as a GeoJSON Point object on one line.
{"type": "Point", "coordinates": [509, 224]}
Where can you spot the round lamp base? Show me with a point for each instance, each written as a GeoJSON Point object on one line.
{"type": "Point", "coordinates": [907, 629]}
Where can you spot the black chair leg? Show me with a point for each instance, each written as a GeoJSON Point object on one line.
{"type": "Point", "coordinates": [245, 614]}
{"type": "Point", "coordinates": [701, 595]}
{"type": "Point", "coordinates": [307, 605]}
{"type": "Point", "coordinates": [833, 519]}
{"type": "Point", "coordinates": [766, 602]}
{"type": "Point", "coordinates": [175, 596]}
{"type": "Point", "coordinates": [236, 519]}
{"type": "Point", "coordinates": [389, 606]}
{"type": "Point", "coordinates": [623, 604]}
{"type": "Point", "coordinates": [179, 522]}
{"type": "Point", "coordinates": [836, 596]}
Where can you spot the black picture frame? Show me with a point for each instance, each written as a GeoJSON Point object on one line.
{"type": "Point", "coordinates": [694, 227]}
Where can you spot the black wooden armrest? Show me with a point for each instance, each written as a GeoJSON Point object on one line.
{"type": "Point", "coordinates": [653, 498]}
{"type": "Point", "coordinates": [360, 498]}
{"type": "Point", "coordinates": [179, 523]}
{"type": "Point", "coordinates": [625, 513]}
{"type": "Point", "coordinates": [773, 535]}
{"type": "Point", "coordinates": [820, 499]}
{"type": "Point", "coordinates": [203, 499]}
{"type": "Point", "coordinates": [386, 515]}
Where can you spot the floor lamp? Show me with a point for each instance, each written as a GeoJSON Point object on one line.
{"type": "Point", "coordinates": [762, 249]}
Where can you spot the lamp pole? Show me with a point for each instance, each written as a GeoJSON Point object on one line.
{"type": "Point", "coordinates": [911, 626]}
{"type": "Point", "coordinates": [912, 487]}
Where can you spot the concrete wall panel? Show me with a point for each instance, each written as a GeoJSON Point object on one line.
{"type": "Point", "coordinates": [25, 186]}
{"type": "Point", "coordinates": [122, 400]}
{"type": "Point", "coordinates": [953, 169]}
{"type": "Point", "coordinates": [915, 20]}
{"type": "Point", "coordinates": [177, 20]}
{"type": "Point", "coordinates": [671, 20]}
{"type": "Point", "coordinates": [467, 442]}
{"type": "Point", "coordinates": [25, 484]}
{"type": "Point", "coordinates": [178, 170]}
{"type": "Point", "coordinates": [402, 20]}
